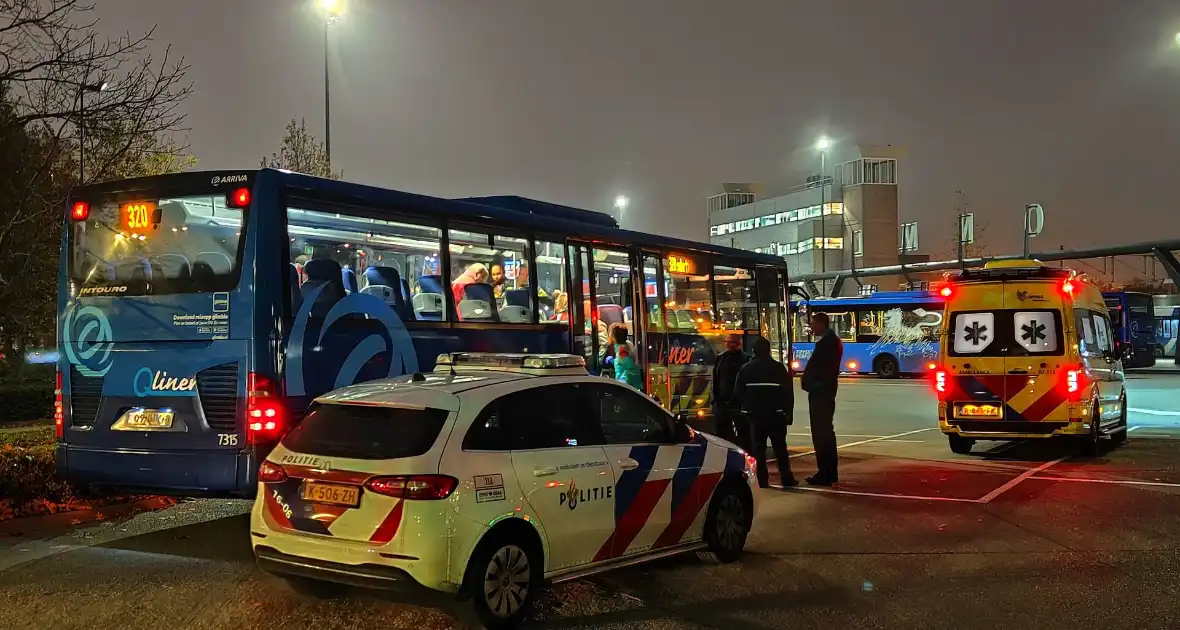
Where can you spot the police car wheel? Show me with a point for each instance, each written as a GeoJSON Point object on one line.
{"type": "Point", "coordinates": [504, 578]}
{"type": "Point", "coordinates": [318, 589]}
{"type": "Point", "coordinates": [728, 522]}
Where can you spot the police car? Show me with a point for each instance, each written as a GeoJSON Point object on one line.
{"type": "Point", "coordinates": [489, 477]}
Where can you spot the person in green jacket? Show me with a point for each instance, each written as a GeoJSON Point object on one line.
{"type": "Point", "coordinates": [626, 369]}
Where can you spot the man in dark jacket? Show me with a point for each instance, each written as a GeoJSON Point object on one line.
{"type": "Point", "coordinates": [725, 372]}
{"type": "Point", "coordinates": [821, 378]}
{"type": "Point", "coordinates": [767, 397]}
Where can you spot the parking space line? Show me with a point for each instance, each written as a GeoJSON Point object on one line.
{"type": "Point", "coordinates": [1154, 412]}
{"type": "Point", "coordinates": [1121, 482]}
{"type": "Point", "coordinates": [884, 496]}
{"type": "Point", "coordinates": [876, 439]}
{"type": "Point", "coordinates": [1135, 428]}
{"type": "Point", "coordinates": [1016, 480]}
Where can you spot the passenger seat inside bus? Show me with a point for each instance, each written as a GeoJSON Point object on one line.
{"type": "Point", "coordinates": [516, 307]}
{"type": "Point", "coordinates": [386, 283]}
{"type": "Point", "coordinates": [296, 297]}
{"type": "Point", "coordinates": [348, 277]}
{"type": "Point", "coordinates": [429, 303]}
{"type": "Point", "coordinates": [478, 303]}
{"type": "Point", "coordinates": [207, 266]}
{"type": "Point", "coordinates": [327, 274]}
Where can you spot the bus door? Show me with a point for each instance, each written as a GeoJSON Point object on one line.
{"type": "Point", "coordinates": [772, 305]}
{"type": "Point", "coordinates": [583, 307]}
{"type": "Point", "coordinates": [651, 313]}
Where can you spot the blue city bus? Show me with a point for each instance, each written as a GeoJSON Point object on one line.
{"type": "Point", "coordinates": [1167, 329]}
{"type": "Point", "coordinates": [1133, 317]}
{"type": "Point", "coordinates": [889, 333]}
{"type": "Point", "coordinates": [200, 313]}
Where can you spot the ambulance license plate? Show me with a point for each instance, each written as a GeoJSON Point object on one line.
{"type": "Point", "coordinates": [978, 411]}
{"type": "Point", "coordinates": [331, 493]}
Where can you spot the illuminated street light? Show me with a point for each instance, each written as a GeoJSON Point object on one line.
{"type": "Point", "coordinates": [332, 10]}
{"type": "Point", "coordinates": [82, 91]}
{"type": "Point", "coordinates": [823, 144]}
{"type": "Point", "coordinates": [621, 202]}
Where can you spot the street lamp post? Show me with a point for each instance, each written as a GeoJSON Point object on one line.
{"type": "Point", "coordinates": [621, 203]}
{"type": "Point", "coordinates": [822, 145]}
{"type": "Point", "coordinates": [83, 89]}
{"type": "Point", "coordinates": [331, 10]}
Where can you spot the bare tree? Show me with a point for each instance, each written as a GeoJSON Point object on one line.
{"type": "Point", "coordinates": [301, 152]}
{"type": "Point", "coordinates": [979, 246]}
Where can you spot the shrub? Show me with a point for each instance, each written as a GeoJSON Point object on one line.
{"type": "Point", "coordinates": [26, 401]}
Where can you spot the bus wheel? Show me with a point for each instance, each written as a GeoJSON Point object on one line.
{"type": "Point", "coordinates": [960, 445]}
{"type": "Point", "coordinates": [886, 366]}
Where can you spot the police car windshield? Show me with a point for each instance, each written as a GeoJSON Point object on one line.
{"type": "Point", "coordinates": [364, 432]}
{"type": "Point", "coordinates": [1005, 333]}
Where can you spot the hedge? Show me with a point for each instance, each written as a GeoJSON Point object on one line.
{"type": "Point", "coordinates": [26, 401]}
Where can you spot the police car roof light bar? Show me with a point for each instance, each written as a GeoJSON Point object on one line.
{"type": "Point", "coordinates": [511, 360]}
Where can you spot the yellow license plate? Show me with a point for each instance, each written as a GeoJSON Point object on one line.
{"type": "Point", "coordinates": [331, 493]}
{"type": "Point", "coordinates": [978, 411]}
{"type": "Point", "coordinates": [146, 420]}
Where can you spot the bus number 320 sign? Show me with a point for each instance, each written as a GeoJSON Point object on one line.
{"type": "Point", "coordinates": [138, 216]}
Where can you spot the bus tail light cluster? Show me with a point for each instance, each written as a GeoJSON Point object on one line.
{"type": "Point", "coordinates": [264, 409]}
{"type": "Point", "coordinates": [418, 487]}
{"type": "Point", "coordinates": [59, 410]}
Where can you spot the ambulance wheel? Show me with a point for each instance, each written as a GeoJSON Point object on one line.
{"type": "Point", "coordinates": [728, 522]}
{"type": "Point", "coordinates": [1120, 436]}
{"type": "Point", "coordinates": [960, 445]}
{"type": "Point", "coordinates": [318, 589]}
{"type": "Point", "coordinates": [504, 579]}
{"type": "Point", "coordinates": [886, 367]}
{"type": "Point", "coordinates": [1093, 441]}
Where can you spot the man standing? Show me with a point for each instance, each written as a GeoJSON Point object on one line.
{"type": "Point", "coordinates": [767, 397]}
{"type": "Point", "coordinates": [821, 378]}
{"type": "Point", "coordinates": [725, 372]}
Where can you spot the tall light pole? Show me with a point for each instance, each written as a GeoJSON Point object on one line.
{"type": "Point", "coordinates": [83, 89]}
{"type": "Point", "coordinates": [331, 9]}
{"type": "Point", "coordinates": [621, 203]}
{"type": "Point", "coordinates": [822, 145]}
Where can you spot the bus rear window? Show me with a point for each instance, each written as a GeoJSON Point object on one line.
{"type": "Point", "coordinates": [1005, 333]}
{"type": "Point", "coordinates": [156, 246]}
{"type": "Point", "coordinates": [364, 432]}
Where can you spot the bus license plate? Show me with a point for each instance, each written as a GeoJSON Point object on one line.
{"type": "Point", "coordinates": [978, 411]}
{"type": "Point", "coordinates": [331, 493]}
{"type": "Point", "coordinates": [146, 420]}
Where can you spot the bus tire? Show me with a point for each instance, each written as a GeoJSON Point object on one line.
{"type": "Point", "coordinates": [886, 366]}
{"type": "Point", "coordinates": [959, 444]}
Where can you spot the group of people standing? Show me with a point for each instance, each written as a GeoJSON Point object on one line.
{"type": "Point", "coordinates": [753, 400]}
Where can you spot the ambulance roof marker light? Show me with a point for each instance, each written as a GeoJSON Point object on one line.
{"type": "Point", "coordinates": [1068, 287]}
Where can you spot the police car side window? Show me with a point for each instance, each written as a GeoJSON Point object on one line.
{"type": "Point", "coordinates": [551, 416]}
{"type": "Point", "coordinates": [629, 418]}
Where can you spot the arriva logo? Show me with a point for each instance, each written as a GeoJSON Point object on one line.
{"type": "Point", "coordinates": [87, 340]}
{"type": "Point", "coordinates": [158, 383]}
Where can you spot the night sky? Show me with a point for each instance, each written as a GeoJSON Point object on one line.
{"type": "Point", "coordinates": [1074, 105]}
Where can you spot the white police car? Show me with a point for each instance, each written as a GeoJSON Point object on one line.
{"type": "Point", "coordinates": [489, 477]}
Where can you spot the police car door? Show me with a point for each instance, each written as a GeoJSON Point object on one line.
{"type": "Point", "coordinates": [655, 475]}
{"type": "Point", "coordinates": [563, 471]}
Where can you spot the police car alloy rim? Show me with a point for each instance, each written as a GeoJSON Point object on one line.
{"type": "Point", "coordinates": [731, 521]}
{"type": "Point", "coordinates": [506, 581]}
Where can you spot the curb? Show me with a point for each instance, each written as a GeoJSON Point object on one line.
{"type": "Point", "coordinates": [43, 522]}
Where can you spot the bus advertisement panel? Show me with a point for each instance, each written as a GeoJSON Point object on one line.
{"type": "Point", "coordinates": [200, 313]}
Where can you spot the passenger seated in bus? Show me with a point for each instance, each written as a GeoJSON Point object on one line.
{"type": "Point", "coordinates": [476, 272]}
{"type": "Point", "coordinates": [561, 308]}
{"type": "Point", "coordinates": [498, 280]}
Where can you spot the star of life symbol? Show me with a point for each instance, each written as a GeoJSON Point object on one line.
{"type": "Point", "coordinates": [1032, 332]}
{"type": "Point", "coordinates": [975, 333]}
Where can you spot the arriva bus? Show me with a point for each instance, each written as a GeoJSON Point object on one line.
{"type": "Point", "coordinates": [1133, 317]}
{"type": "Point", "coordinates": [889, 333]}
{"type": "Point", "coordinates": [1167, 328]}
{"type": "Point", "coordinates": [200, 313]}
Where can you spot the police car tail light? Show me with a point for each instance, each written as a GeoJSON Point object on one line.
{"type": "Point", "coordinates": [270, 472]}
{"type": "Point", "coordinates": [417, 487]}
{"type": "Point", "coordinates": [264, 409]}
{"type": "Point", "coordinates": [59, 414]}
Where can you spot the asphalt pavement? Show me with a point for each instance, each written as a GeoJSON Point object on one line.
{"type": "Point", "coordinates": [1015, 535]}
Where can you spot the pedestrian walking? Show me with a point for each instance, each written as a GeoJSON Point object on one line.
{"type": "Point", "coordinates": [725, 373]}
{"type": "Point", "coordinates": [767, 398]}
{"type": "Point", "coordinates": [821, 379]}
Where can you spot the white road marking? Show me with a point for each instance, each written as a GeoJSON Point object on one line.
{"type": "Point", "coordinates": [1016, 481]}
{"type": "Point", "coordinates": [876, 439]}
{"type": "Point", "coordinates": [1135, 428]}
{"type": "Point", "coordinates": [884, 496]}
{"type": "Point", "coordinates": [1120, 482]}
{"type": "Point", "coordinates": [1154, 412]}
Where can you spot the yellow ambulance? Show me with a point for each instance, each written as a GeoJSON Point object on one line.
{"type": "Point", "coordinates": [1028, 351]}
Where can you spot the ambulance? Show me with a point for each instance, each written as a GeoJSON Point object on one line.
{"type": "Point", "coordinates": [1028, 351]}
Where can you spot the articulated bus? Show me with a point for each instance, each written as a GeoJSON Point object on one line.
{"type": "Point", "coordinates": [200, 313]}
{"type": "Point", "coordinates": [890, 333]}
{"type": "Point", "coordinates": [1133, 317]}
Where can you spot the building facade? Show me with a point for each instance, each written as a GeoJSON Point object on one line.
{"type": "Point", "coordinates": [844, 218]}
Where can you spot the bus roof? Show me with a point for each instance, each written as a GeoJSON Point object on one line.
{"type": "Point", "coordinates": [522, 213]}
{"type": "Point", "coordinates": [881, 298]}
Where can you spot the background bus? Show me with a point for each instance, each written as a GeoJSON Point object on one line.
{"type": "Point", "coordinates": [1133, 317]}
{"type": "Point", "coordinates": [1167, 328]}
{"type": "Point", "coordinates": [888, 333]}
{"type": "Point", "coordinates": [200, 313]}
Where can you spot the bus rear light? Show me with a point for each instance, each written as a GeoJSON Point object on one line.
{"type": "Point", "coordinates": [270, 472]}
{"type": "Point", "coordinates": [239, 198]}
{"type": "Point", "coordinates": [418, 487]}
{"type": "Point", "coordinates": [931, 366]}
{"type": "Point", "coordinates": [80, 211]}
{"type": "Point", "coordinates": [59, 413]}
{"type": "Point", "coordinates": [852, 365]}
{"type": "Point", "coordinates": [264, 411]}
{"type": "Point", "coordinates": [795, 365]}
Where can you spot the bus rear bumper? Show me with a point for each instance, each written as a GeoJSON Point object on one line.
{"type": "Point", "coordinates": [227, 473]}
